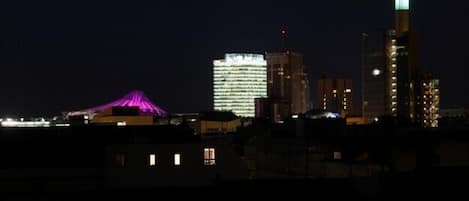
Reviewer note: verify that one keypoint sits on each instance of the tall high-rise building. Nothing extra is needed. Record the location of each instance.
(288, 80)
(237, 81)
(430, 101)
(390, 77)
(374, 75)
(335, 95)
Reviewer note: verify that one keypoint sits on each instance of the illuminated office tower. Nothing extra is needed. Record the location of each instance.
(430, 101)
(335, 95)
(237, 81)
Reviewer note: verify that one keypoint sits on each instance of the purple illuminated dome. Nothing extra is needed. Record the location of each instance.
(133, 99)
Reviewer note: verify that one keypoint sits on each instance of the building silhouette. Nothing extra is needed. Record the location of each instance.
(288, 80)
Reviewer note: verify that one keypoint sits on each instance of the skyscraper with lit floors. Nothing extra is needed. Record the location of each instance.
(238, 80)
(390, 76)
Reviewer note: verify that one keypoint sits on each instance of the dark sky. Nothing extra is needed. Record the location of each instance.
(66, 55)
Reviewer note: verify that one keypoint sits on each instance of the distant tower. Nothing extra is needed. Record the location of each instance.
(402, 16)
(238, 80)
(390, 78)
(287, 84)
(287, 79)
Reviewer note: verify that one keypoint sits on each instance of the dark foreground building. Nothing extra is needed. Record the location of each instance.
(314, 151)
(111, 157)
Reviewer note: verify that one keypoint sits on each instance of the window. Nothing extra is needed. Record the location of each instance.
(177, 159)
(209, 156)
(337, 155)
(119, 160)
(152, 160)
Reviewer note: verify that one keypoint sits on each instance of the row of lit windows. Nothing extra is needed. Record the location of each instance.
(394, 77)
(209, 158)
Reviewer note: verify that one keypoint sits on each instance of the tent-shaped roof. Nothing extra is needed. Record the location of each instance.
(133, 99)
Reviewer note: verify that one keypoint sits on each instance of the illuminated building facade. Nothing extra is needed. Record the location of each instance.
(288, 80)
(238, 80)
(335, 95)
(430, 102)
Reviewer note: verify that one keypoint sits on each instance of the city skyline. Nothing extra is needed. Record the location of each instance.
(51, 66)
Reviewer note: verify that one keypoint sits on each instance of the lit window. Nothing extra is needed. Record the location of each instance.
(334, 91)
(152, 160)
(209, 156)
(177, 159)
(348, 91)
(337, 155)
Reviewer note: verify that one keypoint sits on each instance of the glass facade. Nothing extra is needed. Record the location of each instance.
(237, 81)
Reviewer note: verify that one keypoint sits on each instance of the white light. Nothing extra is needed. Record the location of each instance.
(348, 91)
(86, 117)
(376, 72)
(121, 123)
(177, 159)
(20, 124)
(62, 125)
(402, 4)
(295, 116)
(334, 91)
(152, 160)
(376, 119)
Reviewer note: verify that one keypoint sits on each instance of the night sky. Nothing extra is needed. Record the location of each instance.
(68, 55)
